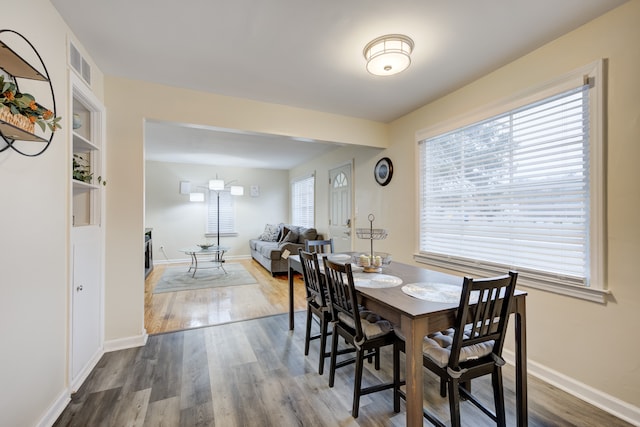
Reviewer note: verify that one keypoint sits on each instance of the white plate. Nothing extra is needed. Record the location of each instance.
(375, 280)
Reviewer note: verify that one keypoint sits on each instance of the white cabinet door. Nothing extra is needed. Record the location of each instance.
(86, 322)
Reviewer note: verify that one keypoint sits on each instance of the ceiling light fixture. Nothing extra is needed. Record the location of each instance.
(388, 55)
(216, 184)
(196, 197)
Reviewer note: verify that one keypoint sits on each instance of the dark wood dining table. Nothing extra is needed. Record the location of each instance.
(417, 318)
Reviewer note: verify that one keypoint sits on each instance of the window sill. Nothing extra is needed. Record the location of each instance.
(234, 234)
(582, 292)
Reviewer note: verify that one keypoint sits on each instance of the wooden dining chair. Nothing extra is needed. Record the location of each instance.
(317, 304)
(319, 246)
(473, 347)
(364, 330)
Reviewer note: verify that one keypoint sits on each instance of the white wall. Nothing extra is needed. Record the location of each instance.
(34, 248)
(179, 223)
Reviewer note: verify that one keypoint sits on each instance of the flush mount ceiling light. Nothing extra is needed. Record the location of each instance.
(388, 55)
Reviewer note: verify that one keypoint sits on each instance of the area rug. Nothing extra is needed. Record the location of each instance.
(179, 279)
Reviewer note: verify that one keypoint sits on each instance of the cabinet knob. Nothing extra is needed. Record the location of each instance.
(79, 288)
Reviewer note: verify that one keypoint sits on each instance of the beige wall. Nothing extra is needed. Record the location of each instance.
(125, 156)
(587, 342)
(35, 220)
(178, 223)
(585, 347)
(368, 197)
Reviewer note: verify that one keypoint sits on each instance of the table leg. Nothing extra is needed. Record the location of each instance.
(291, 277)
(195, 265)
(414, 332)
(521, 362)
(191, 264)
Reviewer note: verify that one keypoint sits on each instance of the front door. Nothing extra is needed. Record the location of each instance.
(340, 190)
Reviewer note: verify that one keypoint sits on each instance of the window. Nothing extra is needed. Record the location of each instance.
(302, 201)
(521, 189)
(227, 213)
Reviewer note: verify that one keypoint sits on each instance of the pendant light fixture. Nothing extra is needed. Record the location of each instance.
(388, 55)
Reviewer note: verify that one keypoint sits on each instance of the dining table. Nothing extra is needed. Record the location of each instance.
(389, 295)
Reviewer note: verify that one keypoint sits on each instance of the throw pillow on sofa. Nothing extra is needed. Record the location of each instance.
(307, 234)
(271, 233)
(288, 236)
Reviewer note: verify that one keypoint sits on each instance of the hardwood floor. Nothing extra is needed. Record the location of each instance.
(174, 311)
(254, 373)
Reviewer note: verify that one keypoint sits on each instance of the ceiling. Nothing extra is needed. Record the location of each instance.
(178, 143)
(308, 54)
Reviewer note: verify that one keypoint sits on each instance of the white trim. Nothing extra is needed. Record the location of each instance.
(597, 148)
(595, 397)
(80, 90)
(593, 72)
(292, 183)
(86, 370)
(229, 234)
(128, 342)
(55, 410)
(482, 269)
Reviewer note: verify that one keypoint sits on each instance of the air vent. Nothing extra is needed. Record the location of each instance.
(79, 64)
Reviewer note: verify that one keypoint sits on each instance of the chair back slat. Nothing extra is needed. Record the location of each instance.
(319, 246)
(313, 281)
(342, 293)
(483, 314)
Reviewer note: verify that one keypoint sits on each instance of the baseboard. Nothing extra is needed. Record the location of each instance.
(64, 398)
(124, 343)
(77, 382)
(55, 409)
(619, 408)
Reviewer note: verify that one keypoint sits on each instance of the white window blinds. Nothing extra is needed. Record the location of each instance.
(513, 190)
(227, 212)
(302, 201)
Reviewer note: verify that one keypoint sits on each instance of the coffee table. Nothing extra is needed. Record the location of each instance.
(213, 254)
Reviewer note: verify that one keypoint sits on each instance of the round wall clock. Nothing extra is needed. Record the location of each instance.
(383, 171)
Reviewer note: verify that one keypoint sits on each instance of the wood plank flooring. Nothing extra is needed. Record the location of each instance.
(174, 311)
(254, 373)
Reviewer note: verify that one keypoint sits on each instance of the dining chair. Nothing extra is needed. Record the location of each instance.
(317, 304)
(319, 246)
(473, 347)
(366, 331)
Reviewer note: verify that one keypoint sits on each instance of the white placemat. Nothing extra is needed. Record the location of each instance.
(339, 258)
(375, 280)
(436, 292)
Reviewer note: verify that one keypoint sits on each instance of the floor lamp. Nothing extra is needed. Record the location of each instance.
(218, 185)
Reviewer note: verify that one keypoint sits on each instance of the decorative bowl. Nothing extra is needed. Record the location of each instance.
(206, 245)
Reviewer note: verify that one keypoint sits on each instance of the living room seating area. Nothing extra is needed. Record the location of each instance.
(277, 242)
